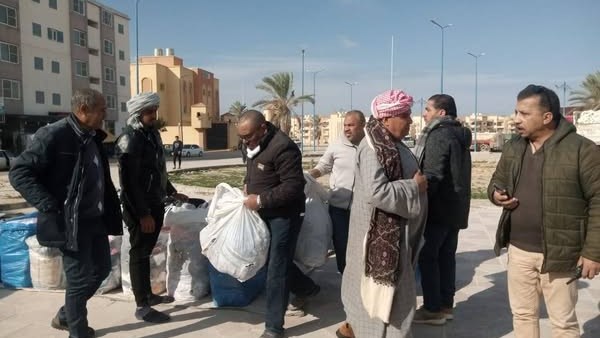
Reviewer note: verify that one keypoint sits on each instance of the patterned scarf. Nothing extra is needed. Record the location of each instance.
(382, 249)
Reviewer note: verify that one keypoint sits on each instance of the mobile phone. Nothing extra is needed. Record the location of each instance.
(501, 190)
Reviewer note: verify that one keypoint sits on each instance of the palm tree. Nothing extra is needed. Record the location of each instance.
(281, 98)
(589, 94)
(237, 108)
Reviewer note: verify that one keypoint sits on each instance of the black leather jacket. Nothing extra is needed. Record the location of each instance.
(49, 173)
(142, 170)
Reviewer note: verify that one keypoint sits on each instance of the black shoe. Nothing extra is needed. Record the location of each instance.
(150, 315)
(297, 303)
(271, 334)
(156, 299)
(62, 325)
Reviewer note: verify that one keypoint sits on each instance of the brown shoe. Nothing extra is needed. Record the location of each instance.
(448, 313)
(345, 331)
(423, 316)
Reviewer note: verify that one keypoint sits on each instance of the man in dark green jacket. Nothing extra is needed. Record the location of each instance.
(548, 182)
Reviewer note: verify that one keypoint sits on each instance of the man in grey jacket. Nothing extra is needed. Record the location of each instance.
(340, 160)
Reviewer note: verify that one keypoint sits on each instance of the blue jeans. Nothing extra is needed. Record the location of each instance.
(437, 263)
(85, 270)
(340, 220)
(283, 275)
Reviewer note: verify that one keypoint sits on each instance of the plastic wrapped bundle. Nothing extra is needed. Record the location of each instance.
(158, 264)
(187, 268)
(14, 253)
(46, 266)
(113, 280)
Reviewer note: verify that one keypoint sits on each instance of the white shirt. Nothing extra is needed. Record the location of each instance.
(339, 160)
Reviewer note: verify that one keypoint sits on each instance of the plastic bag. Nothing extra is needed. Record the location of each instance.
(236, 239)
(187, 268)
(113, 280)
(158, 264)
(46, 266)
(14, 253)
(315, 233)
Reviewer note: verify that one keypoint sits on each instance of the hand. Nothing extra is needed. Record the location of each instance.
(421, 181)
(251, 202)
(315, 173)
(590, 269)
(180, 197)
(502, 199)
(147, 224)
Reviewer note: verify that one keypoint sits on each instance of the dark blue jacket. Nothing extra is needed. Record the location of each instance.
(49, 174)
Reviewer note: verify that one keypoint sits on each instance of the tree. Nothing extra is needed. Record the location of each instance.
(237, 108)
(589, 94)
(281, 98)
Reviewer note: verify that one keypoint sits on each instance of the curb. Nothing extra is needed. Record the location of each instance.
(14, 205)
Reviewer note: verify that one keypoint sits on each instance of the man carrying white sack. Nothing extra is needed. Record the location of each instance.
(340, 160)
(274, 183)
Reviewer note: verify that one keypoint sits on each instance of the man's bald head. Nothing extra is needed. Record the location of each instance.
(252, 127)
(254, 117)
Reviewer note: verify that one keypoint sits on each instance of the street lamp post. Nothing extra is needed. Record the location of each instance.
(564, 86)
(442, 28)
(351, 84)
(422, 102)
(476, 57)
(315, 108)
(302, 109)
(137, 50)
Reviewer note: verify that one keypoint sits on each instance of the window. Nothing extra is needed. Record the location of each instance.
(52, 4)
(81, 68)
(122, 80)
(124, 107)
(108, 47)
(9, 53)
(94, 80)
(92, 23)
(11, 89)
(121, 55)
(79, 6)
(121, 28)
(55, 35)
(56, 99)
(38, 63)
(8, 16)
(107, 18)
(55, 67)
(37, 29)
(80, 38)
(111, 102)
(39, 97)
(109, 74)
(162, 87)
(94, 51)
(38, 1)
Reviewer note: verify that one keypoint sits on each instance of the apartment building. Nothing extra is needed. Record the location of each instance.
(50, 48)
(189, 99)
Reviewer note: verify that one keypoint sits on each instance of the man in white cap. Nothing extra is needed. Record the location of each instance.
(144, 188)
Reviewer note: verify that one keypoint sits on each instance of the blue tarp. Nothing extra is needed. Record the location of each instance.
(14, 253)
(228, 291)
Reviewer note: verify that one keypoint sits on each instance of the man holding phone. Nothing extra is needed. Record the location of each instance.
(548, 182)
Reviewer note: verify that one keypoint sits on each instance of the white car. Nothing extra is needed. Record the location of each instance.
(5, 160)
(190, 150)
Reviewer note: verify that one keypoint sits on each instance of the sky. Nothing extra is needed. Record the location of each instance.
(546, 42)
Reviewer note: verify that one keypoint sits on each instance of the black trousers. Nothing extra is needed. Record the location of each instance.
(142, 245)
(176, 156)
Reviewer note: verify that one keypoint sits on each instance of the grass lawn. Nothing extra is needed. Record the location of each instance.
(234, 176)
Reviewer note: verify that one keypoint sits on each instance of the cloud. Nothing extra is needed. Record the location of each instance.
(347, 42)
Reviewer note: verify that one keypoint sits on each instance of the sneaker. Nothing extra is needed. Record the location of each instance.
(422, 316)
(62, 325)
(156, 299)
(297, 303)
(150, 315)
(345, 331)
(271, 334)
(448, 313)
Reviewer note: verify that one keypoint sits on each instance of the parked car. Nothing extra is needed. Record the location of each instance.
(190, 150)
(5, 159)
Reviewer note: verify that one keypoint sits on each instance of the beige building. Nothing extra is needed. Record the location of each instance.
(189, 100)
(491, 123)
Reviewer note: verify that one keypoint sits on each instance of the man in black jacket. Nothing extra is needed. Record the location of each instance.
(65, 174)
(444, 157)
(144, 188)
(274, 183)
(177, 151)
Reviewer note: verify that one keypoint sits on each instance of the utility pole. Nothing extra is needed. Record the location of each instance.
(564, 86)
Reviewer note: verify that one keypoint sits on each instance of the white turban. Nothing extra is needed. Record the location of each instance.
(137, 104)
